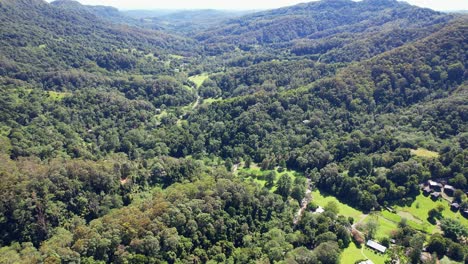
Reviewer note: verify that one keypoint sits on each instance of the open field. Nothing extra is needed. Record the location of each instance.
(446, 260)
(421, 206)
(322, 199)
(211, 100)
(198, 79)
(57, 96)
(421, 152)
(352, 254)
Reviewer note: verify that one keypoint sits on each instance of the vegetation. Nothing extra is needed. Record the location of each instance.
(157, 140)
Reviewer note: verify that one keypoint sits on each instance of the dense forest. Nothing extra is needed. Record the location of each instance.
(293, 135)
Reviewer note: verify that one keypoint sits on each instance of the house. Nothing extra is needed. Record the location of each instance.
(449, 190)
(465, 213)
(376, 246)
(427, 191)
(435, 196)
(319, 210)
(435, 185)
(455, 207)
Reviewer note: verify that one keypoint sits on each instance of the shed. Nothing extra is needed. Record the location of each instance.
(455, 207)
(376, 246)
(427, 190)
(319, 210)
(449, 190)
(435, 185)
(435, 196)
(465, 213)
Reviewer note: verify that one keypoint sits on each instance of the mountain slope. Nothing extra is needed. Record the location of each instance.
(38, 38)
(331, 25)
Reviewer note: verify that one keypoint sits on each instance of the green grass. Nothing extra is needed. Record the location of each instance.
(352, 254)
(385, 227)
(211, 100)
(57, 96)
(346, 210)
(255, 174)
(397, 218)
(421, 206)
(198, 79)
(446, 260)
(421, 152)
(175, 56)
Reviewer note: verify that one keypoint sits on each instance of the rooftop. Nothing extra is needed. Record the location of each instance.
(433, 183)
(376, 246)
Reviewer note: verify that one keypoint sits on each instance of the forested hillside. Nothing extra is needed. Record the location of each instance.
(291, 135)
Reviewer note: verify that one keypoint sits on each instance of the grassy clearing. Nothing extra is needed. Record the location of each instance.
(446, 260)
(421, 206)
(57, 96)
(198, 79)
(161, 114)
(397, 219)
(175, 56)
(421, 152)
(385, 227)
(255, 174)
(211, 100)
(352, 254)
(322, 199)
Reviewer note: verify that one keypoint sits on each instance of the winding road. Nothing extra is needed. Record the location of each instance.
(304, 203)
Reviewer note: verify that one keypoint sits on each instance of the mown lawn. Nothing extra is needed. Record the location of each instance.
(352, 254)
(385, 227)
(421, 206)
(446, 260)
(198, 79)
(322, 199)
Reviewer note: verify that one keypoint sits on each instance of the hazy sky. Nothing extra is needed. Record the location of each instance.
(248, 4)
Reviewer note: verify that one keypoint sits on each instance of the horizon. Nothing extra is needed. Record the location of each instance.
(243, 5)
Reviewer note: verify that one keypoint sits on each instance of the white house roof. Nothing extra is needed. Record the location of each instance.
(376, 246)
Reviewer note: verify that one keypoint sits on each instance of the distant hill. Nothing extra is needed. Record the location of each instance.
(105, 12)
(183, 21)
(38, 38)
(330, 27)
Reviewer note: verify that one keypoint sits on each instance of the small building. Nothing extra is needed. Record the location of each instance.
(366, 262)
(465, 213)
(376, 246)
(435, 185)
(319, 210)
(449, 190)
(455, 207)
(427, 191)
(435, 196)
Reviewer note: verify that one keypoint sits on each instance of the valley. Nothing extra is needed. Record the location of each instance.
(291, 135)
